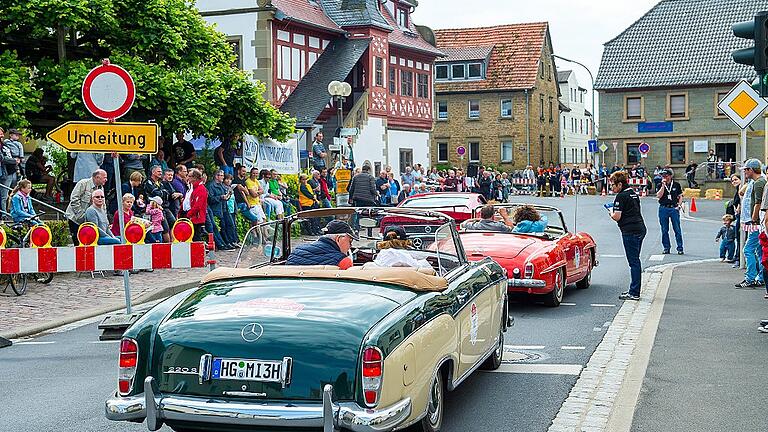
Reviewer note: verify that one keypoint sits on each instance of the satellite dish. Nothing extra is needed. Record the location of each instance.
(335, 88)
(346, 89)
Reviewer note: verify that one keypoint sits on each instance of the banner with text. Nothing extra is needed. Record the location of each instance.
(270, 154)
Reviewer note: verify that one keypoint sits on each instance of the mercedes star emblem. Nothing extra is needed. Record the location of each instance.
(252, 332)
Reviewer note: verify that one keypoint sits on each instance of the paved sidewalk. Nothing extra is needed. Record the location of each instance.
(71, 297)
(707, 367)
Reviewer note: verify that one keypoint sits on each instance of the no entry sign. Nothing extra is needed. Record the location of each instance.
(108, 91)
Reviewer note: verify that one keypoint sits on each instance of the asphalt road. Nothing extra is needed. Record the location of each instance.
(59, 381)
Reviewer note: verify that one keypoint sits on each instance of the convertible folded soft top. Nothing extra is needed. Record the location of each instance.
(408, 277)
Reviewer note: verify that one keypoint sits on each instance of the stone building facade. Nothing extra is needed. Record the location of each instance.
(496, 95)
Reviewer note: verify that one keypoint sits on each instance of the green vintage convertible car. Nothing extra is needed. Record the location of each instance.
(266, 346)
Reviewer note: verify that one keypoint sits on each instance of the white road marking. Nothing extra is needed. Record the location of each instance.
(611, 256)
(33, 343)
(572, 347)
(567, 304)
(524, 347)
(602, 305)
(545, 369)
(656, 258)
(597, 329)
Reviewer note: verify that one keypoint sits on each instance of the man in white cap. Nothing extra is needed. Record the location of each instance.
(670, 197)
(753, 275)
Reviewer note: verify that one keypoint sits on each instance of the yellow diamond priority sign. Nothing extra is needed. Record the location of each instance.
(743, 105)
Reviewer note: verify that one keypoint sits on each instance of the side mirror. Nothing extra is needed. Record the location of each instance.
(368, 223)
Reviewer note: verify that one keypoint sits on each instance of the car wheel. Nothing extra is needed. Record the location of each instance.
(587, 281)
(554, 298)
(494, 361)
(433, 421)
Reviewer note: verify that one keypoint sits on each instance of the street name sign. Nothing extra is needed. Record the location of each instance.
(98, 137)
(108, 91)
(742, 104)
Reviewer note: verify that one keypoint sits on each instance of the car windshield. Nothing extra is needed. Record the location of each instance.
(555, 225)
(436, 201)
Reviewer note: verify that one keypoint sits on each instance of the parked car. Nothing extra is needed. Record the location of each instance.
(540, 264)
(460, 206)
(268, 345)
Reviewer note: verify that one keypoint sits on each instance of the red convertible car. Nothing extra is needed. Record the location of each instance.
(460, 206)
(541, 263)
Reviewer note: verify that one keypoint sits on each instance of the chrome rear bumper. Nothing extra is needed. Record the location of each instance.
(330, 416)
(526, 283)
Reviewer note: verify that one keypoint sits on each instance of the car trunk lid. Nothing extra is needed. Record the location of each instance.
(495, 245)
(319, 325)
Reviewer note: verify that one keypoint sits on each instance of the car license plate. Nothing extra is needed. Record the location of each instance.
(247, 370)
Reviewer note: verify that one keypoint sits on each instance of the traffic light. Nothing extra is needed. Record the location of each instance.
(757, 30)
(757, 56)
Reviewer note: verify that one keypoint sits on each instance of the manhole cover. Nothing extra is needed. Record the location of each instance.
(522, 356)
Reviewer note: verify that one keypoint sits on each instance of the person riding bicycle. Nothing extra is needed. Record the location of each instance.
(21, 205)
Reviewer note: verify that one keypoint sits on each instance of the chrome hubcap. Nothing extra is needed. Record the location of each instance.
(434, 402)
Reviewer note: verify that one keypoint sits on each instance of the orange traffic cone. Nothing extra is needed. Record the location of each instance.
(693, 205)
(603, 192)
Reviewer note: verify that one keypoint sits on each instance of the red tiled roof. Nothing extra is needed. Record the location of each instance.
(514, 61)
(410, 39)
(305, 12)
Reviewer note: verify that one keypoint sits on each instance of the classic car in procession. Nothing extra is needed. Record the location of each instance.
(540, 263)
(460, 206)
(268, 345)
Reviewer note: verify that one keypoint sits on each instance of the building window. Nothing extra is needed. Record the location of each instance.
(551, 119)
(541, 107)
(402, 19)
(441, 72)
(379, 65)
(633, 108)
(677, 106)
(474, 152)
(475, 71)
(474, 109)
(406, 159)
(541, 69)
(392, 80)
(442, 110)
(549, 72)
(581, 125)
(719, 96)
(506, 151)
(551, 149)
(458, 71)
(677, 152)
(442, 152)
(422, 87)
(633, 154)
(506, 108)
(406, 83)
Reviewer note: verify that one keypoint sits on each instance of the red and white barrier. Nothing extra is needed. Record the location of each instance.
(523, 181)
(103, 258)
(638, 181)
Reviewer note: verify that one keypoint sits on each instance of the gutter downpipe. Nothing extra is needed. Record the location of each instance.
(528, 125)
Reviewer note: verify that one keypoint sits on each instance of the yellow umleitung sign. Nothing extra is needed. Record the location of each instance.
(99, 137)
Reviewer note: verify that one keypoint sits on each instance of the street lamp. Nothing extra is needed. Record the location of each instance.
(593, 92)
(340, 90)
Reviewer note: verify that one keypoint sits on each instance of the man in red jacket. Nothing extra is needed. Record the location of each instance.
(196, 203)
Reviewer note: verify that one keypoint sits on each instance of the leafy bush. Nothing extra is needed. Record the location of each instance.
(60, 236)
(292, 181)
(205, 158)
(58, 158)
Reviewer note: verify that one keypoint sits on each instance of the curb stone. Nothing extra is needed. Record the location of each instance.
(591, 402)
(158, 294)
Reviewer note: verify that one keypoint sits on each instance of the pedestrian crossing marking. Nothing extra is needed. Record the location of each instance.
(602, 305)
(572, 347)
(32, 343)
(542, 369)
(656, 258)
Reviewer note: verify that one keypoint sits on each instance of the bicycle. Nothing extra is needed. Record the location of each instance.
(18, 282)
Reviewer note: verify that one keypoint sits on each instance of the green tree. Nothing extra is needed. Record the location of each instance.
(182, 67)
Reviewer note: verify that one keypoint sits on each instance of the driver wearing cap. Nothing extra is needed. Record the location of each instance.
(330, 249)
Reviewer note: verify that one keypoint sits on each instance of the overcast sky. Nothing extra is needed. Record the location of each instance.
(579, 28)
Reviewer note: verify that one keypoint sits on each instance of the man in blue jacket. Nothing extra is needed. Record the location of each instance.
(330, 249)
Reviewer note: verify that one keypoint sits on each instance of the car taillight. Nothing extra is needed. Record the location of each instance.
(373, 369)
(129, 356)
(528, 271)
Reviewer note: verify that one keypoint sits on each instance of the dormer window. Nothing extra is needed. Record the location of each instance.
(459, 71)
(475, 71)
(402, 17)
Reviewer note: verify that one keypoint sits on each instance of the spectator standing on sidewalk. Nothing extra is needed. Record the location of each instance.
(17, 151)
(690, 175)
(318, 152)
(727, 238)
(80, 200)
(183, 151)
(86, 164)
(362, 189)
(196, 204)
(711, 162)
(736, 208)
(750, 216)
(155, 213)
(670, 197)
(626, 212)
